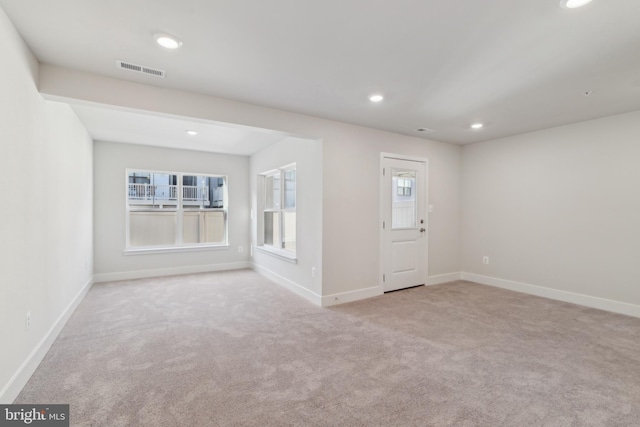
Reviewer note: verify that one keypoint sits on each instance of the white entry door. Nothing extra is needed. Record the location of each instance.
(404, 224)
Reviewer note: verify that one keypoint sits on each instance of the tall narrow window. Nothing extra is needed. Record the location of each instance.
(175, 209)
(279, 209)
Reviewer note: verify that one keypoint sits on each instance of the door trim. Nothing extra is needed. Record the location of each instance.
(381, 177)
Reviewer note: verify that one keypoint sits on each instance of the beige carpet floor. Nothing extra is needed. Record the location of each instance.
(233, 349)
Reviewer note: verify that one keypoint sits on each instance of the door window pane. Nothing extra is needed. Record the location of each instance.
(403, 197)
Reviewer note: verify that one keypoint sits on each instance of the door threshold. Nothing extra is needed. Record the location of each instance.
(404, 289)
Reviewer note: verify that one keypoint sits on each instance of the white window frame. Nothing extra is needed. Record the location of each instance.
(178, 246)
(277, 251)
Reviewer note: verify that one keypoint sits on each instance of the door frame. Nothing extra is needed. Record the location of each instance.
(425, 194)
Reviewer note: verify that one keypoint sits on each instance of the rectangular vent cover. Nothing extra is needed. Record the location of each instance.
(140, 69)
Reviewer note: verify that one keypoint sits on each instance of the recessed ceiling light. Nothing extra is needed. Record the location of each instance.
(572, 4)
(167, 40)
(477, 126)
(376, 98)
(192, 132)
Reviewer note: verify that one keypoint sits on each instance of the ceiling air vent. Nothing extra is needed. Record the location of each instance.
(140, 69)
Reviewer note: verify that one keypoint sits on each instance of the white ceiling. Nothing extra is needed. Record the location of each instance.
(117, 125)
(516, 65)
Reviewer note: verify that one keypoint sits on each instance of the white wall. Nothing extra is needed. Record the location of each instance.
(110, 162)
(46, 222)
(350, 154)
(558, 208)
(351, 221)
(307, 154)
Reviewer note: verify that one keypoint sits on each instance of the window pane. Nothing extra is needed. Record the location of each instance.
(289, 231)
(403, 214)
(152, 228)
(164, 190)
(268, 192)
(202, 192)
(139, 188)
(272, 192)
(290, 188)
(216, 193)
(271, 228)
(194, 192)
(153, 199)
(214, 227)
(152, 190)
(203, 227)
(191, 227)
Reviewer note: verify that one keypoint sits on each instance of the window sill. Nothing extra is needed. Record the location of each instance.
(174, 249)
(278, 253)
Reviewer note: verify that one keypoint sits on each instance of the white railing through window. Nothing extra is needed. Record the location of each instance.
(145, 193)
(194, 193)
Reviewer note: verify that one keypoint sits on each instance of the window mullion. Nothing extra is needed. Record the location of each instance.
(180, 212)
(281, 215)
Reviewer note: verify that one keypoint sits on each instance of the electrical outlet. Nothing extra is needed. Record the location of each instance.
(240, 249)
(313, 272)
(485, 260)
(28, 320)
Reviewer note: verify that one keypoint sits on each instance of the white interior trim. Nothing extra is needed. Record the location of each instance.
(17, 382)
(173, 249)
(288, 284)
(443, 278)
(172, 271)
(350, 296)
(571, 297)
(278, 253)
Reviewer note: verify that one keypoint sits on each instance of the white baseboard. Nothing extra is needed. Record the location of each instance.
(571, 297)
(350, 296)
(17, 382)
(443, 278)
(288, 284)
(345, 297)
(172, 271)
